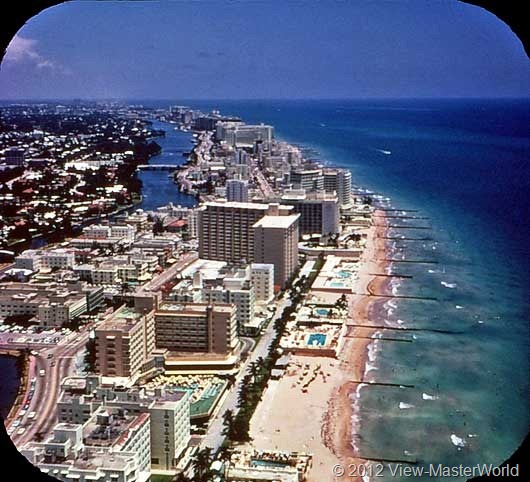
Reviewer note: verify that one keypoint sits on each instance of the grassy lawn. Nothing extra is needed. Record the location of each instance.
(161, 478)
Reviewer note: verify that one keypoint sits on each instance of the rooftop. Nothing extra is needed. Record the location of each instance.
(192, 308)
(124, 318)
(276, 221)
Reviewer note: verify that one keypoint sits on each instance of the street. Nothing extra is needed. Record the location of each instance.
(214, 437)
(42, 392)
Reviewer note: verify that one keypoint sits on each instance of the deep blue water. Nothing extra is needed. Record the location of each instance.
(158, 188)
(9, 383)
(466, 166)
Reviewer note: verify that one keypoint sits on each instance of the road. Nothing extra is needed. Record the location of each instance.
(57, 362)
(167, 275)
(214, 438)
(264, 186)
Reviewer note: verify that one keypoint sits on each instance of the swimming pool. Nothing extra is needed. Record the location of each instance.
(267, 463)
(322, 311)
(337, 284)
(316, 339)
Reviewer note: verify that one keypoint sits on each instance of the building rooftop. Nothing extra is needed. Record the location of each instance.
(110, 426)
(276, 221)
(237, 205)
(123, 319)
(193, 308)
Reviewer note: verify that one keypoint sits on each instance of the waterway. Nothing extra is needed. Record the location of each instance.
(9, 383)
(158, 188)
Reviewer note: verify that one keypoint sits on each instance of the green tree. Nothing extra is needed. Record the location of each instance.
(201, 465)
(158, 226)
(228, 424)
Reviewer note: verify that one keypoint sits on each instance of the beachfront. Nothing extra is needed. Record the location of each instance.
(320, 416)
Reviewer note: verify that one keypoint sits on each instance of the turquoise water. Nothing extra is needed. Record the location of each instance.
(316, 339)
(464, 165)
(322, 311)
(337, 284)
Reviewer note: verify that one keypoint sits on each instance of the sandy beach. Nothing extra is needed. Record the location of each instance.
(340, 427)
(319, 419)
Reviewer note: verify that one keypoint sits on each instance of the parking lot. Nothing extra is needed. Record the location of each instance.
(10, 335)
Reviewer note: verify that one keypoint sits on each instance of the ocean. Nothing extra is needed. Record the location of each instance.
(464, 165)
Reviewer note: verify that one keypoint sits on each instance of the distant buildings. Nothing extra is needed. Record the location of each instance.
(237, 190)
(319, 211)
(131, 267)
(238, 134)
(14, 156)
(105, 236)
(35, 260)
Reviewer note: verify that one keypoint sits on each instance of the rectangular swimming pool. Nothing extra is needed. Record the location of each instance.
(316, 339)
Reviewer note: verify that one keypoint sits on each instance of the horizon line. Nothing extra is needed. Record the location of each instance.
(253, 99)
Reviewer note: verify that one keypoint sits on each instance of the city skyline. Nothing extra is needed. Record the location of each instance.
(220, 50)
(264, 240)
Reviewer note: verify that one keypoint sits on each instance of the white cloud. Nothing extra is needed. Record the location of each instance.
(22, 49)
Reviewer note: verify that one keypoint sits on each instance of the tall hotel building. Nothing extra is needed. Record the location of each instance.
(319, 211)
(225, 229)
(237, 190)
(339, 180)
(308, 179)
(276, 243)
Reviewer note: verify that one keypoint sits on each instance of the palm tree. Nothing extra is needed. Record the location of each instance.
(254, 369)
(201, 465)
(228, 422)
(180, 477)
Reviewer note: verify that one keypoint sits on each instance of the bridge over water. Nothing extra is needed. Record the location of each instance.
(157, 167)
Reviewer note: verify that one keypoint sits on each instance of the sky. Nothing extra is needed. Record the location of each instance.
(228, 49)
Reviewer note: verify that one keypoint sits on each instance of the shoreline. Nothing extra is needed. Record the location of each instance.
(322, 388)
(341, 425)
